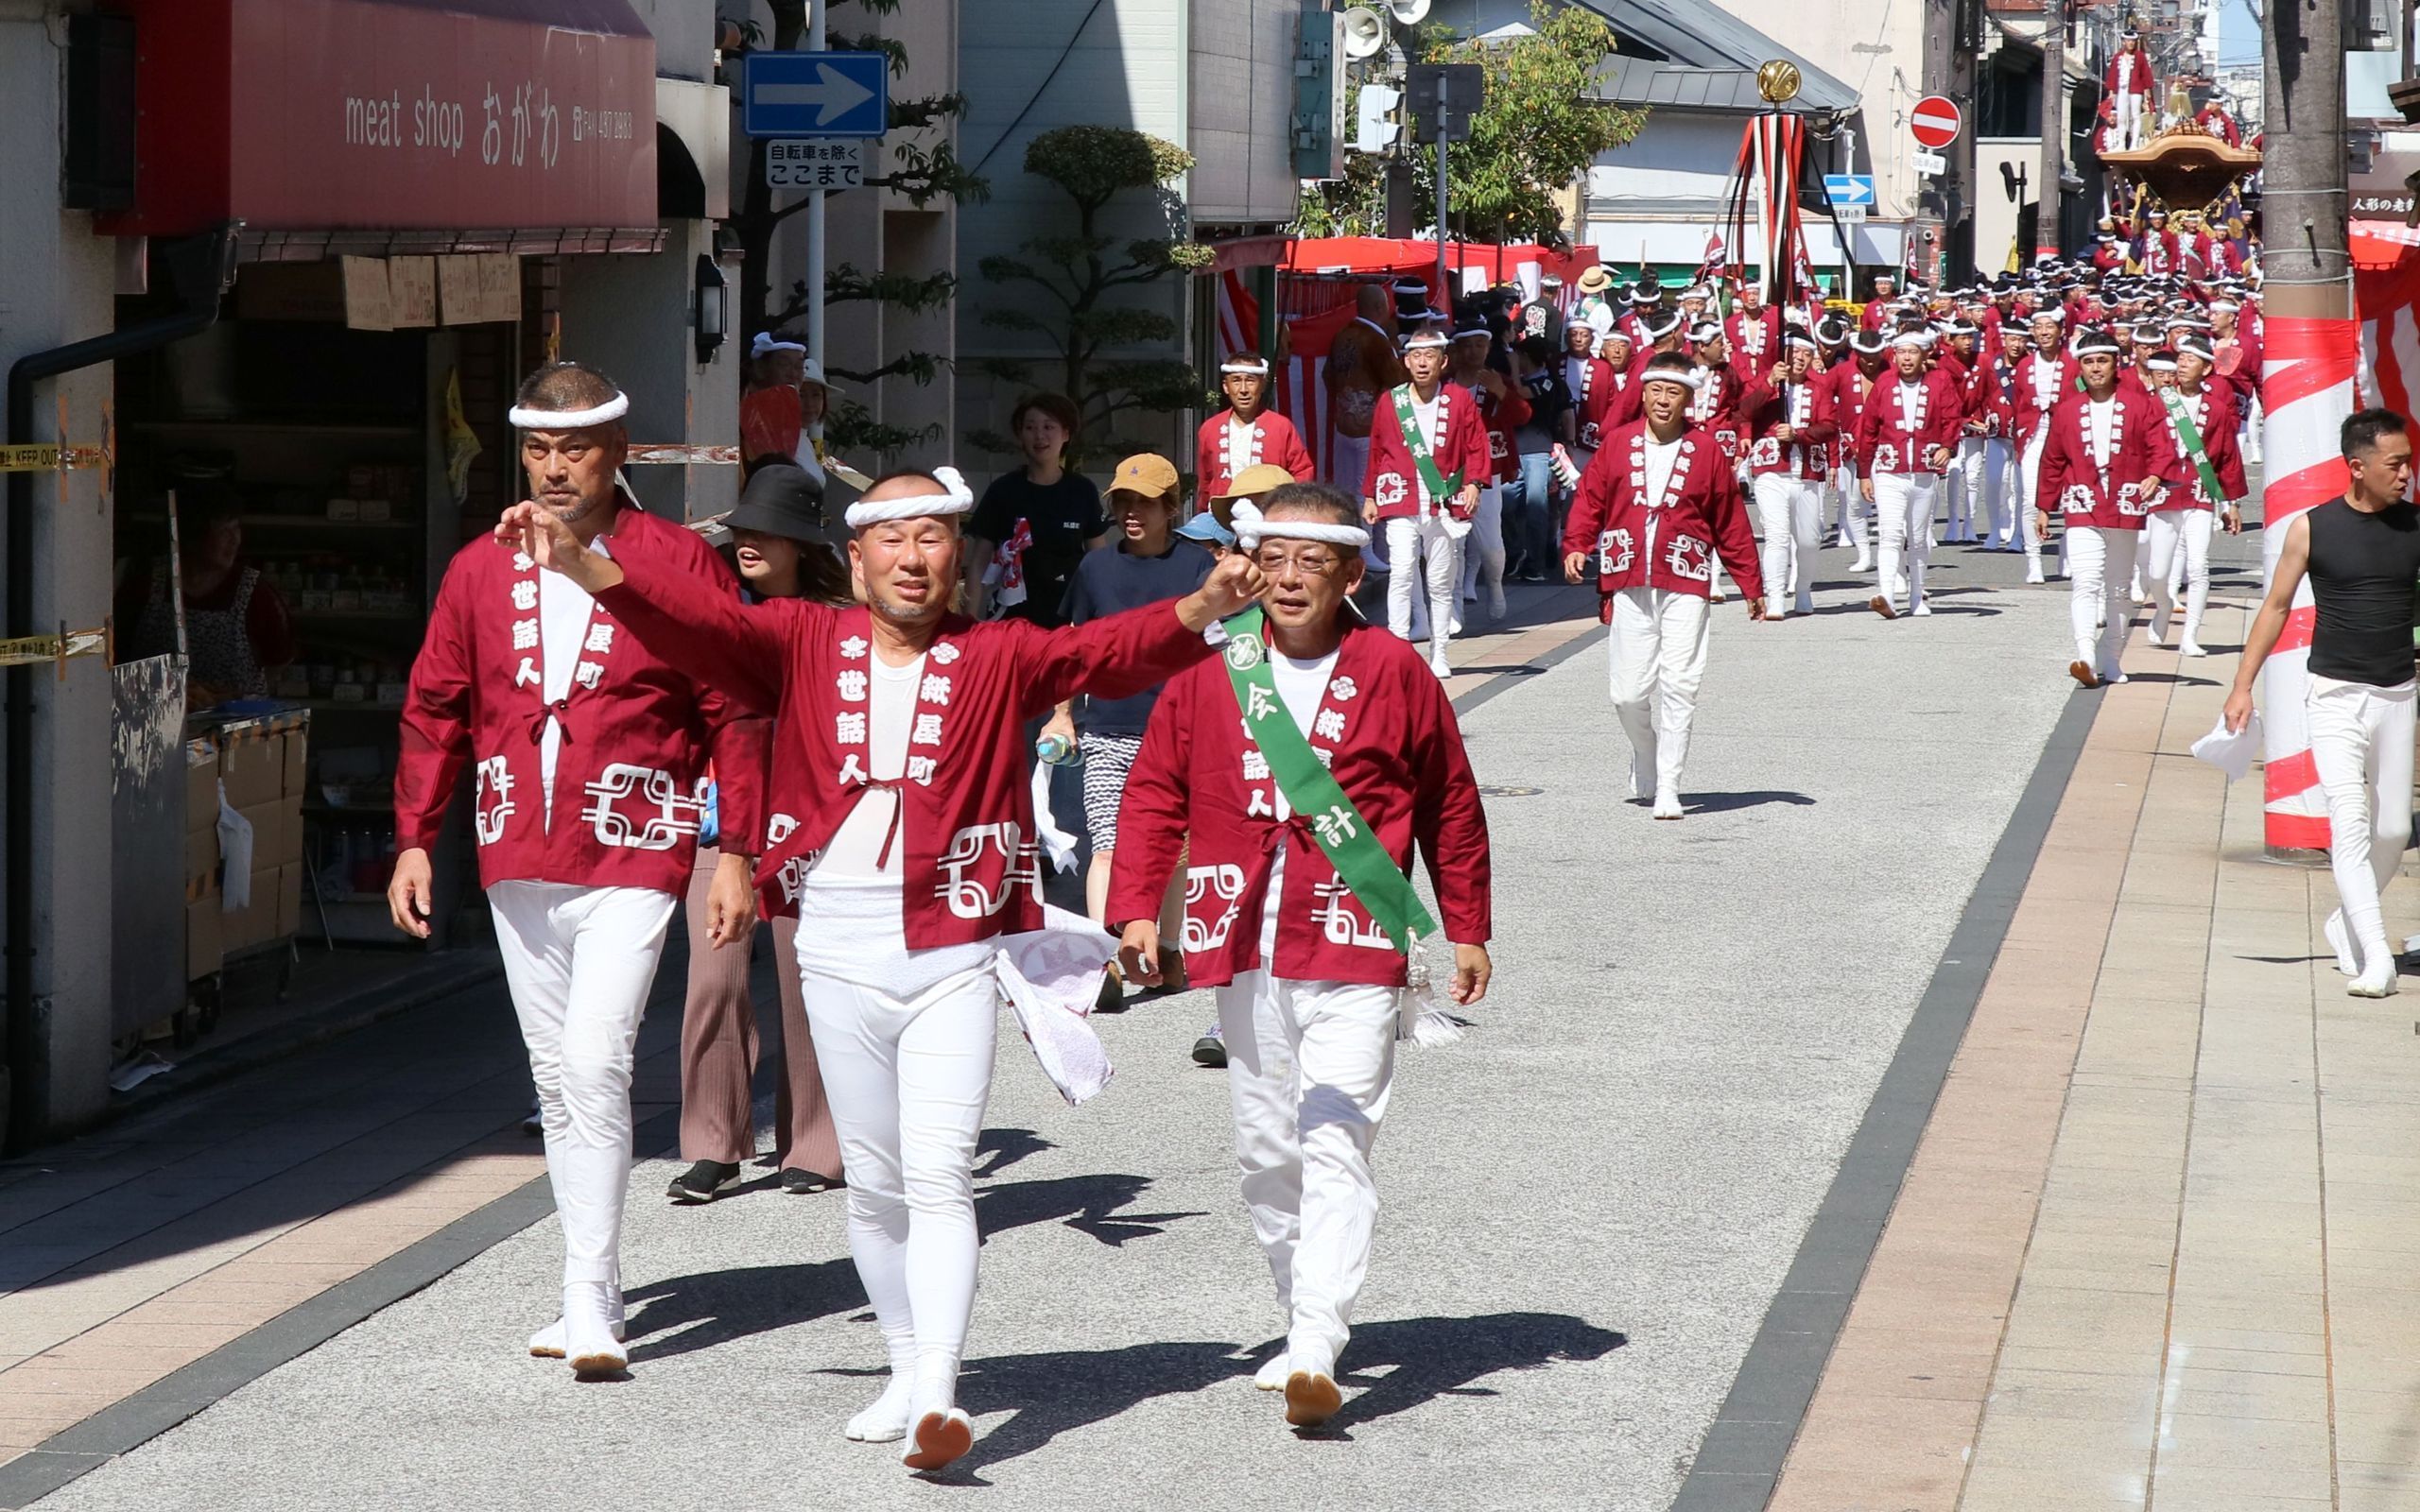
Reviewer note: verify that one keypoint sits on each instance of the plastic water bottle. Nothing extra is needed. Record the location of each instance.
(1055, 751)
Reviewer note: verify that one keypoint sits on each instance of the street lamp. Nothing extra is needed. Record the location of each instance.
(712, 310)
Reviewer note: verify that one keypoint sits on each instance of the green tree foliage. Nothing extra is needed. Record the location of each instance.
(1537, 131)
(1070, 289)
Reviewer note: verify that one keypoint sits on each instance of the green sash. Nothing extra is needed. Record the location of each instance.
(1441, 487)
(1344, 835)
(2190, 435)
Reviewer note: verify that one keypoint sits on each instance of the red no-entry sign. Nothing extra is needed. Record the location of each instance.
(1935, 121)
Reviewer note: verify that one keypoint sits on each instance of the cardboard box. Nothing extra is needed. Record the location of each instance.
(205, 937)
(277, 832)
(252, 768)
(298, 752)
(256, 921)
(290, 899)
(202, 785)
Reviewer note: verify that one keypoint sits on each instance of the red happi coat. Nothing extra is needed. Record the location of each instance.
(1716, 406)
(1391, 742)
(1668, 542)
(1809, 453)
(1883, 442)
(2040, 383)
(2214, 416)
(1840, 395)
(2137, 79)
(968, 861)
(1272, 439)
(2157, 251)
(1502, 418)
(1979, 397)
(1755, 339)
(638, 734)
(1594, 396)
(1394, 478)
(2141, 454)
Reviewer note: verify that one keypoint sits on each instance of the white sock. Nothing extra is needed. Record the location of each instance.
(885, 1419)
(1271, 1377)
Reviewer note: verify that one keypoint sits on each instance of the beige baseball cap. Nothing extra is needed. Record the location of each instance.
(1251, 483)
(1148, 473)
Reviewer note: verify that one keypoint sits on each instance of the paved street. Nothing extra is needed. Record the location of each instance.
(1591, 1202)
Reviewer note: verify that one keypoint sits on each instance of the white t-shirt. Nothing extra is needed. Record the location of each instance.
(1911, 403)
(1425, 416)
(856, 850)
(1239, 443)
(1301, 686)
(2100, 428)
(563, 609)
(1662, 457)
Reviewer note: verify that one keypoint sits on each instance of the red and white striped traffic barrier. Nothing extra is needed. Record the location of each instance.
(2306, 394)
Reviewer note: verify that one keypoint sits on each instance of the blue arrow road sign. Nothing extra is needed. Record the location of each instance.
(1849, 188)
(816, 94)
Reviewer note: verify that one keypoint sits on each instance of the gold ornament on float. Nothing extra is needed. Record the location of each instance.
(1779, 82)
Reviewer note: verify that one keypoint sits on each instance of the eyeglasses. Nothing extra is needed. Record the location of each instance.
(1310, 563)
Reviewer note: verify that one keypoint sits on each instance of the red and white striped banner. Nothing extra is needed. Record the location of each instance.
(2306, 389)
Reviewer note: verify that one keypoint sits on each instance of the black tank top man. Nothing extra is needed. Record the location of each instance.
(2365, 580)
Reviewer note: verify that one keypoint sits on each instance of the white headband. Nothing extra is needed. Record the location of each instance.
(1425, 339)
(1251, 528)
(568, 419)
(2094, 346)
(1797, 337)
(1473, 331)
(767, 341)
(1912, 338)
(957, 499)
(1688, 379)
(1256, 367)
(1670, 324)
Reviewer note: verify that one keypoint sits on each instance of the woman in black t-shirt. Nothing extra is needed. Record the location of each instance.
(1035, 524)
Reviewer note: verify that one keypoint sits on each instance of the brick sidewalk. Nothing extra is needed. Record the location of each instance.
(2156, 1248)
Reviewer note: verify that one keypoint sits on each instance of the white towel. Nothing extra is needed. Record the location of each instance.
(1051, 977)
(2230, 753)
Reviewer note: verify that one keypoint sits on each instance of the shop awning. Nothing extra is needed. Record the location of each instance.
(352, 122)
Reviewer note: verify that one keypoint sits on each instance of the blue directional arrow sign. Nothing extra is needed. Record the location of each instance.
(1849, 188)
(816, 94)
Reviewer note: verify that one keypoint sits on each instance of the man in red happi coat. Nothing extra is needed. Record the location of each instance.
(1428, 463)
(2181, 524)
(2046, 376)
(1905, 433)
(1246, 432)
(1310, 982)
(1656, 507)
(590, 754)
(1840, 392)
(901, 826)
(2104, 455)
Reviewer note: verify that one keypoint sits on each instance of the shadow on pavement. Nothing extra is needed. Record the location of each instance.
(1726, 802)
(1390, 1367)
(715, 1307)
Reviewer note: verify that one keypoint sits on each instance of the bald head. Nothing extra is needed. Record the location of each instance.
(1372, 301)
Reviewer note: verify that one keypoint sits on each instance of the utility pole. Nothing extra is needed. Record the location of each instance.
(815, 243)
(2054, 130)
(2312, 350)
(1444, 87)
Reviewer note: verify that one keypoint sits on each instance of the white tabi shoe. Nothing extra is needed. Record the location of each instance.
(2111, 676)
(1923, 608)
(2034, 571)
(547, 1343)
(886, 1420)
(1864, 563)
(1311, 1394)
(942, 1431)
(1642, 775)
(589, 1342)
(2191, 649)
(1804, 604)
(1273, 1376)
(1775, 607)
(2379, 981)
(1496, 602)
(1438, 664)
(1667, 803)
(2340, 939)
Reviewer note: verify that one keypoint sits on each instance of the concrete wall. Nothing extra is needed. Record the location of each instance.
(1676, 156)
(57, 282)
(631, 315)
(1242, 91)
(1127, 67)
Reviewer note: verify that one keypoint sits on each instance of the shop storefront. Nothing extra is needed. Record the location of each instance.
(416, 184)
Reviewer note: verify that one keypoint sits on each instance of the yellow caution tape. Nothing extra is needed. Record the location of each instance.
(50, 458)
(32, 650)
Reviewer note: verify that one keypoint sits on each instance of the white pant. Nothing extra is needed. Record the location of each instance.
(1484, 549)
(908, 1079)
(2102, 563)
(1308, 1068)
(1902, 505)
(1981, 462)
(2360, 744)
(2129, 120)
(1790, 512)
(2029, 493)
(2163, 532)
(2248, 434)
(1853, 507)
(579, 962)
(1406, 539)
(1658, 648)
